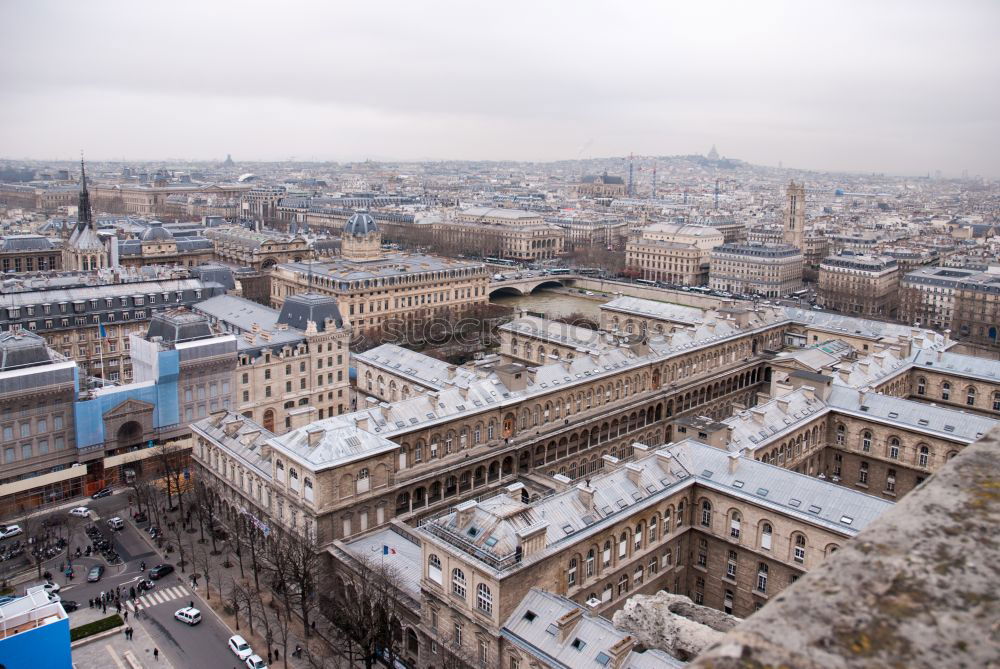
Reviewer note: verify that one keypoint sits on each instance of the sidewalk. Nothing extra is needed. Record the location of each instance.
(117, 652)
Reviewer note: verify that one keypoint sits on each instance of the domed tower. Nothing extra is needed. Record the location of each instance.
(361, 239)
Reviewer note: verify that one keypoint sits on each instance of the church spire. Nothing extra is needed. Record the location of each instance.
(83, 214)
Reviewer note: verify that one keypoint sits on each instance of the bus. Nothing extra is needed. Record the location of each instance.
(560, 270)
(501, 261)
(646, 282)
(589, 271)
(801, 293)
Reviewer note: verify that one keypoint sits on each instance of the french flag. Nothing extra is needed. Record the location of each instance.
(388, 551)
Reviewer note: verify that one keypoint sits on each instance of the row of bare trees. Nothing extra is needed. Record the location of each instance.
(288, 590)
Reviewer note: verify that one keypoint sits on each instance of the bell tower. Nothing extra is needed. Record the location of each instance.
(795, 216)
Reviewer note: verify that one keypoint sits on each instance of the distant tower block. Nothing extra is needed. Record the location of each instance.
(795, 217)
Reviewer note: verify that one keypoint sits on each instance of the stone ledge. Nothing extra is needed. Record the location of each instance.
(919, 587)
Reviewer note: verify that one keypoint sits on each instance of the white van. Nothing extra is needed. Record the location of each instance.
(188, 615)
(116, 523)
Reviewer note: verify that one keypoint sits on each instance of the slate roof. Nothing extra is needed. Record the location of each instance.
(531, 628)
(488, 530)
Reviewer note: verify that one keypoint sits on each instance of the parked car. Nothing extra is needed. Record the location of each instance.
(140, 517)
(103, 492)
(6, 599)
(159, 571)
(256, 662)
(79, 512)
(189, 615)
(52, 588)
(116, 523)
(8, 531)
(95, 573)
(69, 605)
(240, 647)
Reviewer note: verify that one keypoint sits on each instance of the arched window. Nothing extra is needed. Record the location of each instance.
(484, 598)
(945, 390)
(996, 401)
(458, 583)
(606, 554)
(923, 459)
(894, 448)
(434, 568)
(364, 482)
(293, 478)
(623, 545)
(841, 434)
(799, 552)
(637, 538)
(734, 525)
(970, 396)
(590, 562)
(866, 441)
(706, 513)
(622, 584)
(765, 536)
(921, 385)
(308, 489)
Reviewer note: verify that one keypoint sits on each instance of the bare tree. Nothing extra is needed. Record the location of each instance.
(262, 612)
(282, 617)
(369, 606)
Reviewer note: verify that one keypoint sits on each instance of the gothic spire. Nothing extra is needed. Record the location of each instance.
(83, 214)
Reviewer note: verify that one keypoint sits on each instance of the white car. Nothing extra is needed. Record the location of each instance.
(240, 647)
(189, 615)
(256, 662)
(7, 531)
(52, 588)
(80, 512)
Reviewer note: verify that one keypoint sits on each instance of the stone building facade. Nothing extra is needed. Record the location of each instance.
(373, 288)
(747, 269)
(859, 285)
(289, 361)
(257, 250)
(675, 254)
(977, 309)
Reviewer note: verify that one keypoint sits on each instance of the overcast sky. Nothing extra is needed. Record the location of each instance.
(904, 87)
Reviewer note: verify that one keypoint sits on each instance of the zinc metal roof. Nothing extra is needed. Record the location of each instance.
(532, 627)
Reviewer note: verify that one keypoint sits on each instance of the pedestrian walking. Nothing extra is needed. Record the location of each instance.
(277, 655)
(131, 592)
(191, 604)
(126, 615)
(156, 654)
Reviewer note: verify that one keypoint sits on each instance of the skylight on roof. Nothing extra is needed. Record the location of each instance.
(737, 484)
(568, 529)
(814, 509)
(491, 542)
(762, 492)
(530, 615)
(579, 643)
(602, 659)
(795, 502)
(552, 629)
(707, 473)
(846, 520)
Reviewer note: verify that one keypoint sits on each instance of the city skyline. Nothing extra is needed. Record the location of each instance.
(781, 83)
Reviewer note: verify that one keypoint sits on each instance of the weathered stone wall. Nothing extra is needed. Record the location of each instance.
(920, 587)
(673, 623)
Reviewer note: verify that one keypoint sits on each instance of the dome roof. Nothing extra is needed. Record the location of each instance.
(157, 233)
(360, 224)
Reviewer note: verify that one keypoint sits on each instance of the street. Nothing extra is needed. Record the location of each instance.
(204, 645)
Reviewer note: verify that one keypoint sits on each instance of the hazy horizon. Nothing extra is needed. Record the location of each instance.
(896, 87)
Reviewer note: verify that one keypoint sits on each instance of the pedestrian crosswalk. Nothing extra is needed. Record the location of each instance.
(158, 597)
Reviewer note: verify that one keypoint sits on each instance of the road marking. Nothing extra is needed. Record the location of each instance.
(114, 656)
